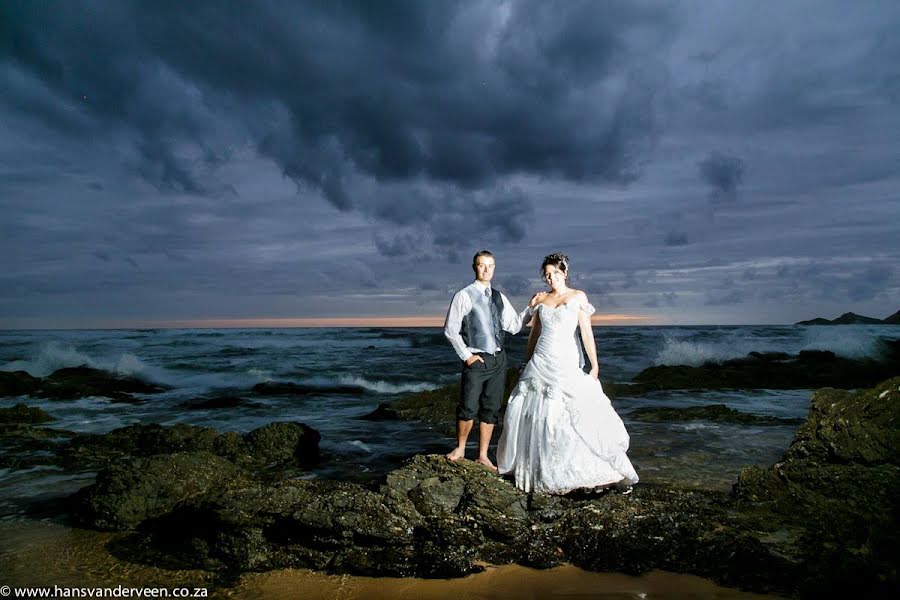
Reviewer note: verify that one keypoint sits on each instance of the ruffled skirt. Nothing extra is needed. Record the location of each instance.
(563, 434)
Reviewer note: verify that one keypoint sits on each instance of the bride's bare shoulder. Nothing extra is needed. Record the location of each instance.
(537, 298)
(579, 295)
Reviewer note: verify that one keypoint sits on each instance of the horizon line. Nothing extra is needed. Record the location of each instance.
(297, 322)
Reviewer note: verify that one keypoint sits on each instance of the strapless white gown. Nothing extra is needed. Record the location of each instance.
(560, 432)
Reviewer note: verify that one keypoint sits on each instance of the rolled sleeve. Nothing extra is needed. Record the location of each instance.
(459, 308)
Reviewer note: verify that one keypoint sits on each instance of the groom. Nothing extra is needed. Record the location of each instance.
(475, 323)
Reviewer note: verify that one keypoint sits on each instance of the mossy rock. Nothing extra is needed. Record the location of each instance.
(20, 413)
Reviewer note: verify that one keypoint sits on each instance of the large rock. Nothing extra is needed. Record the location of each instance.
(79, 382)
(283, 443)
(17, 383)
(839, 479)
(20, 413)
(23, 445)
(300, 524)
(129, 493)
(809, 369)
(141, 440)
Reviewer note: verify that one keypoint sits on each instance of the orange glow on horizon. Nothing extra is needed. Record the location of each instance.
(436, 321)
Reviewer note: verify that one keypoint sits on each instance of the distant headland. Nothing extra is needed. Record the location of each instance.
(850, 318)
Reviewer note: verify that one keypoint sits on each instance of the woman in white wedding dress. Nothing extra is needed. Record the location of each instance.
(560, 432)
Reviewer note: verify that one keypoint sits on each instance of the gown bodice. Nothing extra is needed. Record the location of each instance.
(557, 352)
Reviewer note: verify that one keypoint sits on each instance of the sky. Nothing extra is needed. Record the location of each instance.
(339, 162)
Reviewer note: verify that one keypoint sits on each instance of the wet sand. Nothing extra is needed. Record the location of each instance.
(46, 554)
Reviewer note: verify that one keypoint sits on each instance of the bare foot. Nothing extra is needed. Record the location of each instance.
(487, 463)
(456, 454)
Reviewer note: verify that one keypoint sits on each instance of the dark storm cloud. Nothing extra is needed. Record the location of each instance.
(725, 299)
(517, 285)
(724, 174)
(434, 220)
(344, 94)
(662, 299)
(847, 282)
(676, 238)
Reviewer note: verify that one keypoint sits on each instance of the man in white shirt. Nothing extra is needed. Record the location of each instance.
(475, 323)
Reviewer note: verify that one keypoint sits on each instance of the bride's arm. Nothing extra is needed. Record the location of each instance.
(587, 334)
(533, 336)
(535, 325)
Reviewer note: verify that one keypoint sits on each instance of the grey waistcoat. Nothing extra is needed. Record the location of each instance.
(480, 328)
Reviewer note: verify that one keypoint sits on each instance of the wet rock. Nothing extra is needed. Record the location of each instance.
(839, 479)
(79, 382)
(129, 493)
(432, 406)
(22, 445)
(140, 440)
(436, 486)
(283, 442)
(20, 413)
(845, 427)
(712, 412)
(808, 369)
(384, 412)
(339, 526)
(17, 383)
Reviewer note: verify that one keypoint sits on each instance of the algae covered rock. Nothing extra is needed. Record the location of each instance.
(20, 413)
(283, 442)
(839, 480)
(140, 488)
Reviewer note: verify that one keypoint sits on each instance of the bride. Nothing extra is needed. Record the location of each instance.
(561, 432)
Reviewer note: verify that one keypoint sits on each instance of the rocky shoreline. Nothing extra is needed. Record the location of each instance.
(821, 520)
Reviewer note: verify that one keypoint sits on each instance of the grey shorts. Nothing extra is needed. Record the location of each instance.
(481, 390)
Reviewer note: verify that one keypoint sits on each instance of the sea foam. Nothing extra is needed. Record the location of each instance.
(383, 387)
(53, 355)
(847, 341)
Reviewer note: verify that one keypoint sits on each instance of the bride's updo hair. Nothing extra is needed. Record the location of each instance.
(558, 260)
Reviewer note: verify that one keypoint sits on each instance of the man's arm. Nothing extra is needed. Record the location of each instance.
(459, 308)
(513, 321)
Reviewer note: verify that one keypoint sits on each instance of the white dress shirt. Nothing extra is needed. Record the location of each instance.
(461, 305)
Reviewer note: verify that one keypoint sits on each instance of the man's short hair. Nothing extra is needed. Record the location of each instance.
(480, 253)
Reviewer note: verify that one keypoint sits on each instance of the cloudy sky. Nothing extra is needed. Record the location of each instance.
(282, 162)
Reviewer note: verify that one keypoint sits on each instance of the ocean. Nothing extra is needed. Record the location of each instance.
(353, 370)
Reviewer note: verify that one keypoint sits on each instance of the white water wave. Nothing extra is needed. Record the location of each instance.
(53, 355)
(383, 387)
(845, 341)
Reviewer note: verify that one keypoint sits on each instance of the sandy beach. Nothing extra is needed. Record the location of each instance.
(41, 554)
